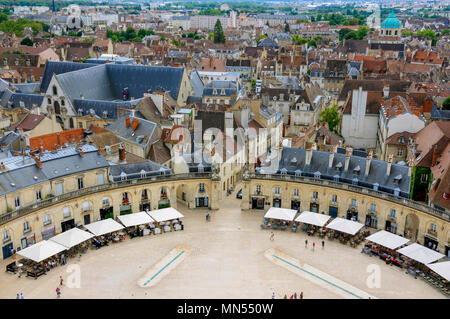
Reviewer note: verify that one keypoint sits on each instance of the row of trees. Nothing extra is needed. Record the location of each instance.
(17, 27)
(128, 35)
(426, 33)
(348, 34)
(311, 42)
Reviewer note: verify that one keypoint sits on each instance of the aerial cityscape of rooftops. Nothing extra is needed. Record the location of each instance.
(225, 149)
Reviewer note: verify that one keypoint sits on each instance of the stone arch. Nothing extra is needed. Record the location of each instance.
(145, 199)
(163, 196)
(412, 223)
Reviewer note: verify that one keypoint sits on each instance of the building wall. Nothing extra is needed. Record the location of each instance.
(16, 227)
(343, 203)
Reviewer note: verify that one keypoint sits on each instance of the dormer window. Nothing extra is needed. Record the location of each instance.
(397, 178)
(356, 170)
(294, 161)
(222, 92)
(401, 140)
(338, 166)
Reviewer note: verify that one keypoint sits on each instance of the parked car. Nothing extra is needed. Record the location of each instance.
(239, 194)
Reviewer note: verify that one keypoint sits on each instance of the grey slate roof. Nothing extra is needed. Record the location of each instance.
(145, 128)
(135, 170)
(14, 98)
(319, 163)
(23, 172)
(197, 84)
(106, 81)
(53, 67)
(229, 88)
(27, 87)
(437, 114)
(8, 139)
(110, 107)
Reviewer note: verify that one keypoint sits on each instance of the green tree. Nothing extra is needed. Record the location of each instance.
(130, 34)
(219, 36)
(27, 41)
(446, 104)
(445, 32)
(343, 33)
(428, 33)
(331, 116)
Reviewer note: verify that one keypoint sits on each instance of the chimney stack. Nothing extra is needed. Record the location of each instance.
(331, 157)
(435, 155)
(309, 147)
(127, 121)
(389, 165)
(121, 153)
(368, 161)
(410, 166)
(348, 153)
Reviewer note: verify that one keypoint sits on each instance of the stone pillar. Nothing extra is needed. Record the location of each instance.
(172, 196)
(216, 193)
(245, 201)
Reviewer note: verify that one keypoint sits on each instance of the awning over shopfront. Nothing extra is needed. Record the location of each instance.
(420, 253)
(387, 239)
(105, 226)
(312, 218)
(442, 269)
(345, 225)
(164, 214)
(281, 213)
(41, 251)
(72, 237)
(135, 219)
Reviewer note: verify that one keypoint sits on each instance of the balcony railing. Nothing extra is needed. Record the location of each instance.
(6, 217)
(357, 189)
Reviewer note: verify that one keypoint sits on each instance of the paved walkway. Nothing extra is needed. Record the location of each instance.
(226, 260)
(316, 276)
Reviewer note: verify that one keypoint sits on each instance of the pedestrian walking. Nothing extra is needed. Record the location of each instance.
(21, 296)
(61, 280)
(292, 297)
(285, 296)
(273, 295)
(295, 295)
(58, 292)
(323, 244)
(301, 295)
(314, 245)
(18, 296)
(306, 243)
(272, 235)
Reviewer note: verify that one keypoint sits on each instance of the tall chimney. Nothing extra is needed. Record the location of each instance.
(410, 166)
(121, 153)
(127, 121)
(331, 156)
(368, 161)
(389, 165)
(435, 155)
(348, 153)
(309, 147)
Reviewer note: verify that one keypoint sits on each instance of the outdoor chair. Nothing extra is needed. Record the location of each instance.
(12, 267)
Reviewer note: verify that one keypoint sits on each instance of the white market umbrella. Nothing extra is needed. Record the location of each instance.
(312, 218)
(345, 226)
(164, 214)
(71, 237)
(442, 269)
(281, 213)
(387, 239)
(135, 219)
(41, 250)
(105, 226)
(420, 253)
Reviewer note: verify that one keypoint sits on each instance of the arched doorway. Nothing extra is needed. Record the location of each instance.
(411, 227)
(164, 198)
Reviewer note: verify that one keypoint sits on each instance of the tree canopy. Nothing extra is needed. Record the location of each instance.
(219, 36)
(27, 41)
(446, 104)
(331, 116)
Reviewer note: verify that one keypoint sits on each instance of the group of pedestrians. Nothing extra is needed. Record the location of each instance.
(20, 296)
(314, 244)
(58, 290)
(294, 296)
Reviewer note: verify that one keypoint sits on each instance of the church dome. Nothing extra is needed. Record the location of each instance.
(391, 22)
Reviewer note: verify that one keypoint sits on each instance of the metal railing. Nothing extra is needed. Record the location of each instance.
(6, 217)
(357, 189)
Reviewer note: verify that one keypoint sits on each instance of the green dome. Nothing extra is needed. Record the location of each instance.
(391, 22)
